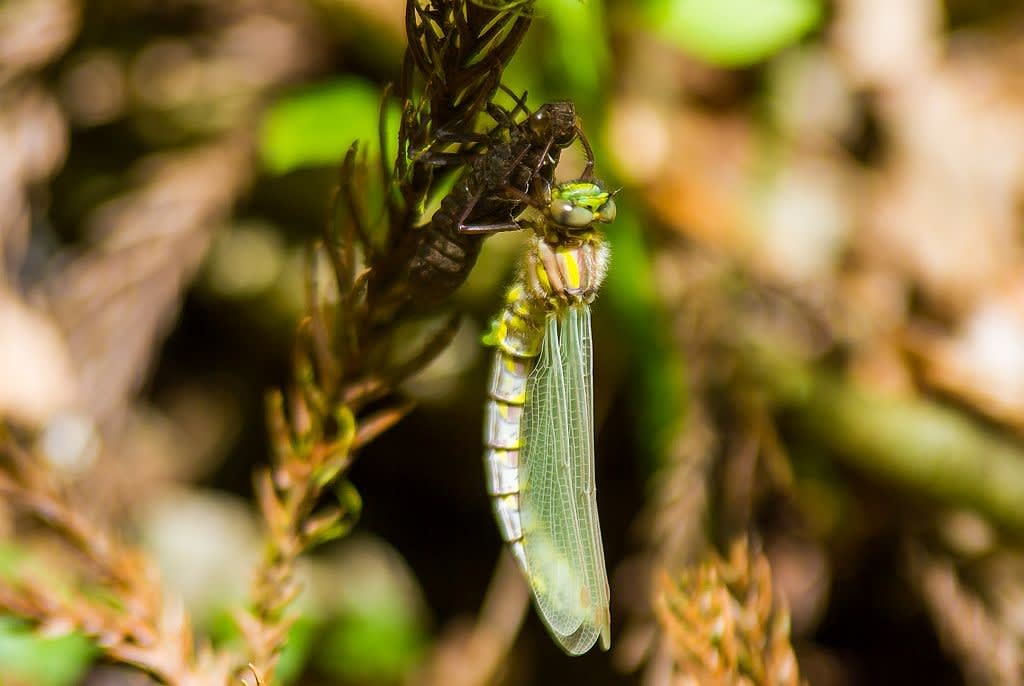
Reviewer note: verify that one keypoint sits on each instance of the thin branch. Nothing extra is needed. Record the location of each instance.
(131, 620)
(912, 442)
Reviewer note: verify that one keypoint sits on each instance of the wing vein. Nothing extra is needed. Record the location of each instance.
(562, 538)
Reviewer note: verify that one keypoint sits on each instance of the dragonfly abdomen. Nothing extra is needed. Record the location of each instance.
(553, 276)
(517, 337)
(444, 255)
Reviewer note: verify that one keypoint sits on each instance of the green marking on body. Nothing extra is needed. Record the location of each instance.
(492, 338)
(581, 193)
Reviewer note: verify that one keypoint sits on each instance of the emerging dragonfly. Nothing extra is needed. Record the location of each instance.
(539, 423)
(487, 197)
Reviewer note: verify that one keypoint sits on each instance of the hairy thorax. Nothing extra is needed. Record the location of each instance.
(568, 271)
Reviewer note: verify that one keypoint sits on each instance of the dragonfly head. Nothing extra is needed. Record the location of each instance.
(555, 121)
(578, 204)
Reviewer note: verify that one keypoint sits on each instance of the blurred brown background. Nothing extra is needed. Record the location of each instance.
(812, 336)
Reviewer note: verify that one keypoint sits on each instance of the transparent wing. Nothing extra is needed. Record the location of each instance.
(577, 366)
(560, 531)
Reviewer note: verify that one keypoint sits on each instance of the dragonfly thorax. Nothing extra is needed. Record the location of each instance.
(567, 273)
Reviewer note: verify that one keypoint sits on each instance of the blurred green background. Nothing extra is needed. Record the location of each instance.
(811, 332)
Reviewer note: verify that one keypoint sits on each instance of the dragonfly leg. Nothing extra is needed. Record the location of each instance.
(542, 158)
(588, 170)
(541, 194)
(460, 221)
(443, 159)
(515, 195)
(552, 269)
(463, 217)
(480, 229)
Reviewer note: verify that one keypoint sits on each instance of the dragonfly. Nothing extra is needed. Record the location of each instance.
(491, 192)
(539, 418)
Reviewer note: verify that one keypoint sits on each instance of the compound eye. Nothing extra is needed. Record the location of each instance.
(540, 123)
(573, 216)
(560, 209)
(606, 212)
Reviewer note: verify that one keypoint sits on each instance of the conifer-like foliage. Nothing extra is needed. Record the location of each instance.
(347, 356)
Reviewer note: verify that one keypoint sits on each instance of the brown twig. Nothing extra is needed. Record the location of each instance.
(120, 605)
(472, 655)
(309, 457)
(987, 647)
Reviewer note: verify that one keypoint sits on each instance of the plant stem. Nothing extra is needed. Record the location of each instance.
(915, 443)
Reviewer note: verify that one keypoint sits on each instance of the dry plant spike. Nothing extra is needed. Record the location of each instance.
(378, 423)
(461, 48)
(345, 346)
(313, 446)
(474, 655)
(315, 328)
(386, 172)
(115, 598)
(720, 625)
(348, 206)
(364, 391)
